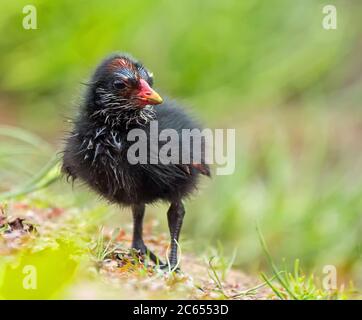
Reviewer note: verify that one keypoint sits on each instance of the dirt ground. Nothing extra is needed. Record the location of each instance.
(109, 269)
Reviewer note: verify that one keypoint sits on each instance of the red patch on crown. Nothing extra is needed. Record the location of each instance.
(121, 63)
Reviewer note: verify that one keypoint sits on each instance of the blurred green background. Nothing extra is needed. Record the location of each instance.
(290, 88)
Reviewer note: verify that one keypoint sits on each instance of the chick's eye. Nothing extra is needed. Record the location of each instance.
(118, 84)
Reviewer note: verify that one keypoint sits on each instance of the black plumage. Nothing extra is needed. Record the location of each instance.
(120, 98)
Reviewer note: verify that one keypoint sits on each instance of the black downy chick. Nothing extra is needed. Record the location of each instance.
(120, 98)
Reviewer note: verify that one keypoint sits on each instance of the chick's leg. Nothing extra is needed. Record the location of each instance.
(175, 216)
(138, 212)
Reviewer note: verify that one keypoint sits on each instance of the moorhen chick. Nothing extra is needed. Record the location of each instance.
(118, 99)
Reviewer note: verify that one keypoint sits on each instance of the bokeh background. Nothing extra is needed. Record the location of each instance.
(291, 89)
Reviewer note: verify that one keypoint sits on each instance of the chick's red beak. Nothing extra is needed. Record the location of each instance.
(146, 95)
